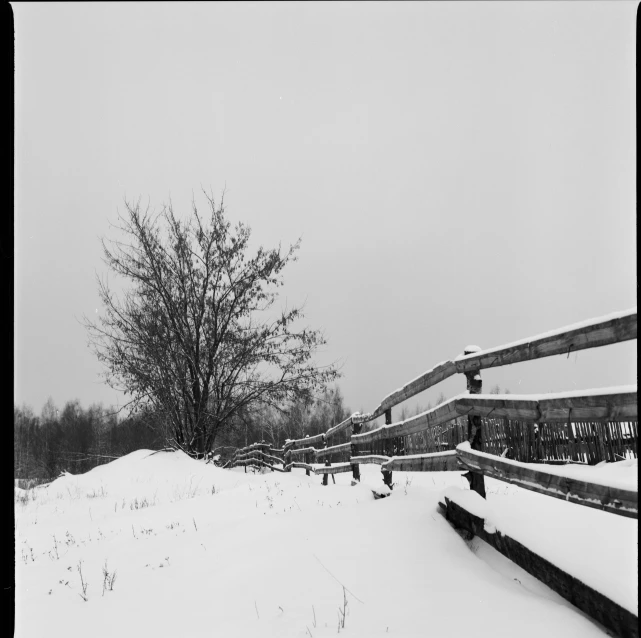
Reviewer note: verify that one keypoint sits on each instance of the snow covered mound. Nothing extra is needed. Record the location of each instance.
(158, 544)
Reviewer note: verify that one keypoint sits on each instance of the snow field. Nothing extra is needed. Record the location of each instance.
(201, 551)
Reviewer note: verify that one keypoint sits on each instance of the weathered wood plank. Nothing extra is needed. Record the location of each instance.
(435, 462)
(340, 427)
(610, 499)
(334, 449)
(294, 444)
(435, 375)
(377, 459)
(611, 615)
(303, 450)
(606, 404)
(595, 333)
(303, 466)
(337, 468)
(427, 420)
(257, 454)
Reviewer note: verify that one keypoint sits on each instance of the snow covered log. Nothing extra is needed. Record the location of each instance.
(303, 466)
(294, 444)
(303, 450)
(593, 333)
(343, 425)
(337, 468)
(335, 449)
(429, 419)
(610, 614)
(436, 462)
(605, 404)
(259, 455)
(563, 482)
(435, 375)
(370, 458)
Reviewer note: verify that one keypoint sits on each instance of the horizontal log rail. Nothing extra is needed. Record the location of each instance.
(257, 454)
(302, 466)
(308, 441)
(378, 459)
(340, 427)
(334, 449)
(302, 451)
(605, 404)
(540, 479)
(337, 468)
(435, 462)
(617, 619)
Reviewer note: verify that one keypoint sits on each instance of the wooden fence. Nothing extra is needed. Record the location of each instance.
(514, 438)
(568, 427)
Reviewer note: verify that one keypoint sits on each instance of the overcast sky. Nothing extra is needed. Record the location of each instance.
(460, 173)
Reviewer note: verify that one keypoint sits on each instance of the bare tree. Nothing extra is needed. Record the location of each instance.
(191, 339)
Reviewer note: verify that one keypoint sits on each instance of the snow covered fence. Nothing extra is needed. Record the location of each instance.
(585, 426)
(575, 484)
(258, 455)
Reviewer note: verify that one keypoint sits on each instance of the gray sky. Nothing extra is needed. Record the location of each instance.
(459, 172)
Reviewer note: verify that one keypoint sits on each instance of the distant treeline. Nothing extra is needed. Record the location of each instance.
(75, 439)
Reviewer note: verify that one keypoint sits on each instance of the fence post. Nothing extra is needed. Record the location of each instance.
(306, 458)
(327, 463)
(474, 429)
(266, 447)
(356, 470)
(387, 475)
(287, 459)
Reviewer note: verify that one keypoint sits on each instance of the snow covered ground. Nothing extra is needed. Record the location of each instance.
(201, 551)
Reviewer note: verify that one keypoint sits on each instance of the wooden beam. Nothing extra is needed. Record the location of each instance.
(370, 458)
(337, 468)
(294, 444)
(537, 479)
(606, 404)
(602, 331)
(437, 462)
(340, 427)
(430, 419)
(303, 451)
(304, 466)
(258, 454)
(334, 449)
(435, 375)
(611, 615)
(600, 405)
